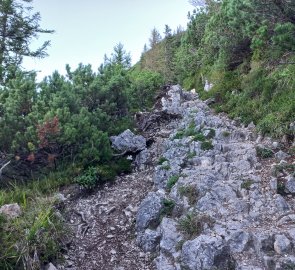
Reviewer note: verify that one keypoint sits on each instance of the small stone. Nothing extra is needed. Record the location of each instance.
(282, 244)
(113, 252)
(110, 236)
(50, 266)
(11, 211)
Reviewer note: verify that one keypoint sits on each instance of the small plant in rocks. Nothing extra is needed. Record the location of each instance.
(191, 154)
(264, 152)
(207, 145)
(190, 192)
(162, 160)
(192, 224)
(247, 184)
(168, 206)
(172, 181)
(226, 134)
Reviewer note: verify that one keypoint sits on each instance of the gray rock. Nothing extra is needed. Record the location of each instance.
(11, 211)
(127, 141)
(281, 203)
(290, 185)
(205, 252)
(170, 236)
(148, 240)
(282, 244)
(172, 103)
(263, 243)
(269, 262)
(281, 155)
(50, 266)
(163, 263)
(149, 211)
(239, 241)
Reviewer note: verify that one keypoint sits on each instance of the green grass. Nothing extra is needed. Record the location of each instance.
(38, 231)
(172, 181)
(192, 224)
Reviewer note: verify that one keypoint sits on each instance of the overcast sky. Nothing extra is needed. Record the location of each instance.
(88, 29)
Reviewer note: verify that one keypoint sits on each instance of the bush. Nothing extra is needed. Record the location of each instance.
(89, 178)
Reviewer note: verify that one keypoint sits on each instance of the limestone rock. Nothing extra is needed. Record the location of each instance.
(128, 141)
(148, 240)
(282, 244)
(149, 211)
(205, 252)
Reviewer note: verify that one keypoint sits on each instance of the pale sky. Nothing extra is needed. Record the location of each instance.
(88, 29)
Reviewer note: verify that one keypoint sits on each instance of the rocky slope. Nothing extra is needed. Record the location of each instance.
(200, 198)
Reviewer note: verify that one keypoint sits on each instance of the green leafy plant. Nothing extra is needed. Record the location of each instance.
(89, 178)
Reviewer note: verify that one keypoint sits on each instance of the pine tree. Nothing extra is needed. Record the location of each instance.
(18, 27)
(155, 38)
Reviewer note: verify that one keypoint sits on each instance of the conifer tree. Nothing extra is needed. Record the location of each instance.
(18, 27)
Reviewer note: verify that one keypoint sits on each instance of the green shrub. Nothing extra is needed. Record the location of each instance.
(89, 178)
(206, 145)
(172, 181)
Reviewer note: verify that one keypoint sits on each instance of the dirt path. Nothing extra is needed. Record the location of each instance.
(104, 223)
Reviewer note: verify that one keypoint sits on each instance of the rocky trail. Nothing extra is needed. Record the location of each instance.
(207, 193)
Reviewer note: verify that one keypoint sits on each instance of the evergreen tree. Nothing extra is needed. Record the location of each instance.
(155, 38)
(18, 27)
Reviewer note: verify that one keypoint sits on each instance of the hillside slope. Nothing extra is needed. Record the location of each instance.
(215, 200)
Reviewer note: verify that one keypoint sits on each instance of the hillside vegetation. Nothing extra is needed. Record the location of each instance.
(245, 48)
(56, 132)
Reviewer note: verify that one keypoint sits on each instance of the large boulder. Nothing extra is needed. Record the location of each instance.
(128, 142)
